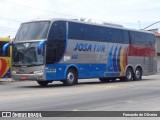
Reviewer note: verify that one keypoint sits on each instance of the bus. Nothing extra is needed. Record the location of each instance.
(68, 50)
(5, 60)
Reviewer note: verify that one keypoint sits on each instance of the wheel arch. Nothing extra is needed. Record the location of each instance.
(129, 66)
(72, 66)
(140, 67)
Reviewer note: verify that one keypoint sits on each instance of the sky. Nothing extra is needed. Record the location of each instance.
(135, 14)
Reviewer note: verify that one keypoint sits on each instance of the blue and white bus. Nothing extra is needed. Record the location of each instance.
(68, 50)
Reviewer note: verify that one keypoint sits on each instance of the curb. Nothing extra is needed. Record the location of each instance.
(6, 80)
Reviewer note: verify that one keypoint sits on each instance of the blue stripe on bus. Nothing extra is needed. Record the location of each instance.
(115, 60)
(110, 61)
(58, 71)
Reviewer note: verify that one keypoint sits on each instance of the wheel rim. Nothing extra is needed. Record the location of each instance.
(129, 75)
(138, 74)
(70, 77)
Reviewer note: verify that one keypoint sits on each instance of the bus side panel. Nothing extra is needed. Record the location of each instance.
(98, 60)
(91, 70)
(144, 56)
(57, 71)
(104, 59)
(93, 60)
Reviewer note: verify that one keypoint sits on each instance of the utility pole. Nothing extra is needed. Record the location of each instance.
(139, 23)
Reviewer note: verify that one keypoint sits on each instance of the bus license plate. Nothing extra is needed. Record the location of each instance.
(24, 77)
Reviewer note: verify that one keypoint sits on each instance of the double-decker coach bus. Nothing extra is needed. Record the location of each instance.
(68, 50)
(5, 59)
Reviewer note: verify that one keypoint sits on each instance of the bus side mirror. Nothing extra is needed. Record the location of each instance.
(5, 48)
(40, 47)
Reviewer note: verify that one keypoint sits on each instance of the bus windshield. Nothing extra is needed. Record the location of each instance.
(27, 56)
(33, 31)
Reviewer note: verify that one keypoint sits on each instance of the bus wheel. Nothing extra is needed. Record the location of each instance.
(138, 74)
(129, 74)
(43, 83)
(71, 78)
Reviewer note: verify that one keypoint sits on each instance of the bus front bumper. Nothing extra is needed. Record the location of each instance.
(34, 77)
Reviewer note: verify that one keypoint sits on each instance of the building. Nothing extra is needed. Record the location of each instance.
(157, 47)
(158, 51)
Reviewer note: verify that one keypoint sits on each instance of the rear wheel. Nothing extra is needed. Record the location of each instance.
(129, 74)
(43, 83)
(138, 74)
(71, 78)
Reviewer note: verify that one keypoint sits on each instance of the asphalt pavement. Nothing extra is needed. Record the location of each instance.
(88, 95)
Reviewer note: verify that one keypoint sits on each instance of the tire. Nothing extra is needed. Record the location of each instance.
(129, 74)
(43, 83)
(138, 74)
(71, 78)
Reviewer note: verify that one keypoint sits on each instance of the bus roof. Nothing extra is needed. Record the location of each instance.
(111, 25)
(103, 25)
(7, 39)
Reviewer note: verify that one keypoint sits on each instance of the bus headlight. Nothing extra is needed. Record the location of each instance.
(37, 72)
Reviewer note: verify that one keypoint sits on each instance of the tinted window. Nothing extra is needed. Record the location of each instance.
(131, 37)
(33, 31)
(149, 39)
(117, 35)
(56, 42)
(139, 38)
(126, 37)
(76, 31)
(81, 31)
(103, 34)
(143, 39)
(97, 33)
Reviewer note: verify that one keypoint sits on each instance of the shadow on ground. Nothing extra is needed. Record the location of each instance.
(82, 82)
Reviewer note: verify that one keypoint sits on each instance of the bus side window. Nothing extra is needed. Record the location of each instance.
(131, 37)
(126, 37)
(138, 38)
(150, 40)
(56, 42)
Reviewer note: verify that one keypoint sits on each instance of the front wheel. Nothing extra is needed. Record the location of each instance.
(71, 78)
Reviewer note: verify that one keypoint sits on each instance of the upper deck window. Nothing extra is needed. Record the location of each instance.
(33, 31)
